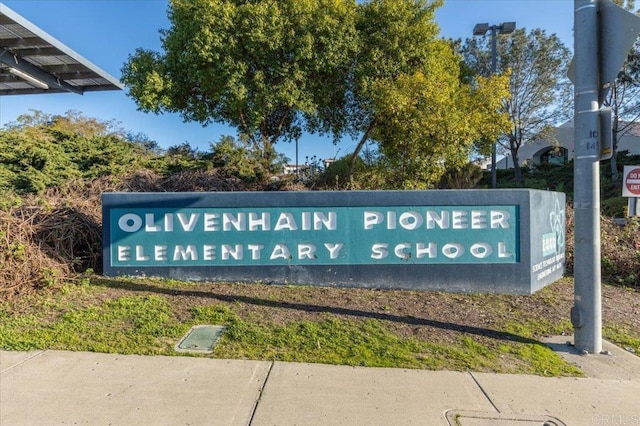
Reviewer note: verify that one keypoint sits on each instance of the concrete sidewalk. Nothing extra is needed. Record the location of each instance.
(56, 387)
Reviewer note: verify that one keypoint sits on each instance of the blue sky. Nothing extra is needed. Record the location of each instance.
(106, 31)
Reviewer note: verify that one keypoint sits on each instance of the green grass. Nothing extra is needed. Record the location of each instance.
(622, 336)
(531, 327)
(538, 359)
(138, 325)
(79, 319)
(146, 325)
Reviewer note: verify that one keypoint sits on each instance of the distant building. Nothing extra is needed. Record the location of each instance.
(561, 150)
(328, 161)
(291, 169)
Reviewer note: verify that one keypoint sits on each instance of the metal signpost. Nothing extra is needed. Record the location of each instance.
(604, 34)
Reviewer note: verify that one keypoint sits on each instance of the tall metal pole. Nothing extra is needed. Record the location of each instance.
(586, 314)
(481, 29)
(494, 54)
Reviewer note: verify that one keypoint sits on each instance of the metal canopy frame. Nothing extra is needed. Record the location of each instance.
(33, 62)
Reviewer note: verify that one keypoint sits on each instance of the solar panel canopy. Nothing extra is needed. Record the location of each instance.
(32, 62)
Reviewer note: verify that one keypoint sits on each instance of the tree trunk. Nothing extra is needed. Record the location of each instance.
(356, 152)
(615, 176)
(517, 171)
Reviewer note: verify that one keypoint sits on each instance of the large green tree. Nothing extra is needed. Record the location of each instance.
(396, 38)
(428, 121)
(271, 69)
(412, 97)
(540, 90)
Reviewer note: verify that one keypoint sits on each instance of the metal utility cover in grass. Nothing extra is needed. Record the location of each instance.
(477, 418)
(200, 339)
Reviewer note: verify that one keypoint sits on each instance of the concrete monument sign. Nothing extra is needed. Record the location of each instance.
(507, 241)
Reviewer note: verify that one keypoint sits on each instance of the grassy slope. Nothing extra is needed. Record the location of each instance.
(114, 318)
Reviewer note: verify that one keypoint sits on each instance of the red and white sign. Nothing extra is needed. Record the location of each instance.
(631, 182)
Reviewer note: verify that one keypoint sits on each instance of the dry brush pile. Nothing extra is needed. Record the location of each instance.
(620, 251)
(54, 238)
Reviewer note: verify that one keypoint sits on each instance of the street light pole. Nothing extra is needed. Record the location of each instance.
(586, 314)
(494, 66)
(603, 35)
(482, 29)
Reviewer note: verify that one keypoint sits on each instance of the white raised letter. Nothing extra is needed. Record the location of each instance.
(499, 218)
(227, 251)
(431, 251)
(160, 253)
(150, 225)
(400, 251)
(433, 219)
(255, 250)
(124, 253)
(372, 218)
(410, 220)
(478, 219)
(334, 249)
(306, 251)
(286, 221)
(239, 222)
(209, 252)
(140, 256)
(379, 251)
(502, 251)
(190, 223)
(453, 250)
(130, 222)
(168, 222)
(391, 219)
(188, 253)
(264, 222)
(481, 250)
(211, 222)
(306, 221)
(459, 219)
(280, 251)
(320, 219)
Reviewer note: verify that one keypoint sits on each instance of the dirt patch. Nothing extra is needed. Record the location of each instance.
(434, 316)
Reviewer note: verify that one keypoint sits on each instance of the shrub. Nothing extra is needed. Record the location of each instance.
(336, 176)
(620, 250)
(465, 177)
(614, 207)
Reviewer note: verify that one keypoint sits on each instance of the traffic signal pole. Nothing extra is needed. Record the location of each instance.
(586, 314)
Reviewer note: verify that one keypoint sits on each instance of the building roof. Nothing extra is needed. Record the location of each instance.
(32, 61)
(628, 128)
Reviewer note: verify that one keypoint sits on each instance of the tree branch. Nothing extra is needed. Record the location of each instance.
(363, 140)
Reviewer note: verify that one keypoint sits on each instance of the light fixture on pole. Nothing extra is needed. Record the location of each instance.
(29, 79)
(480, 30)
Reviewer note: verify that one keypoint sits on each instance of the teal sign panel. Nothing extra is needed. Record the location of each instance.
(499, 241)
(367, 235)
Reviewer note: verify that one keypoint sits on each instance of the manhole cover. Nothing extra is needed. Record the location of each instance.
(200, 339)
(476, 418)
